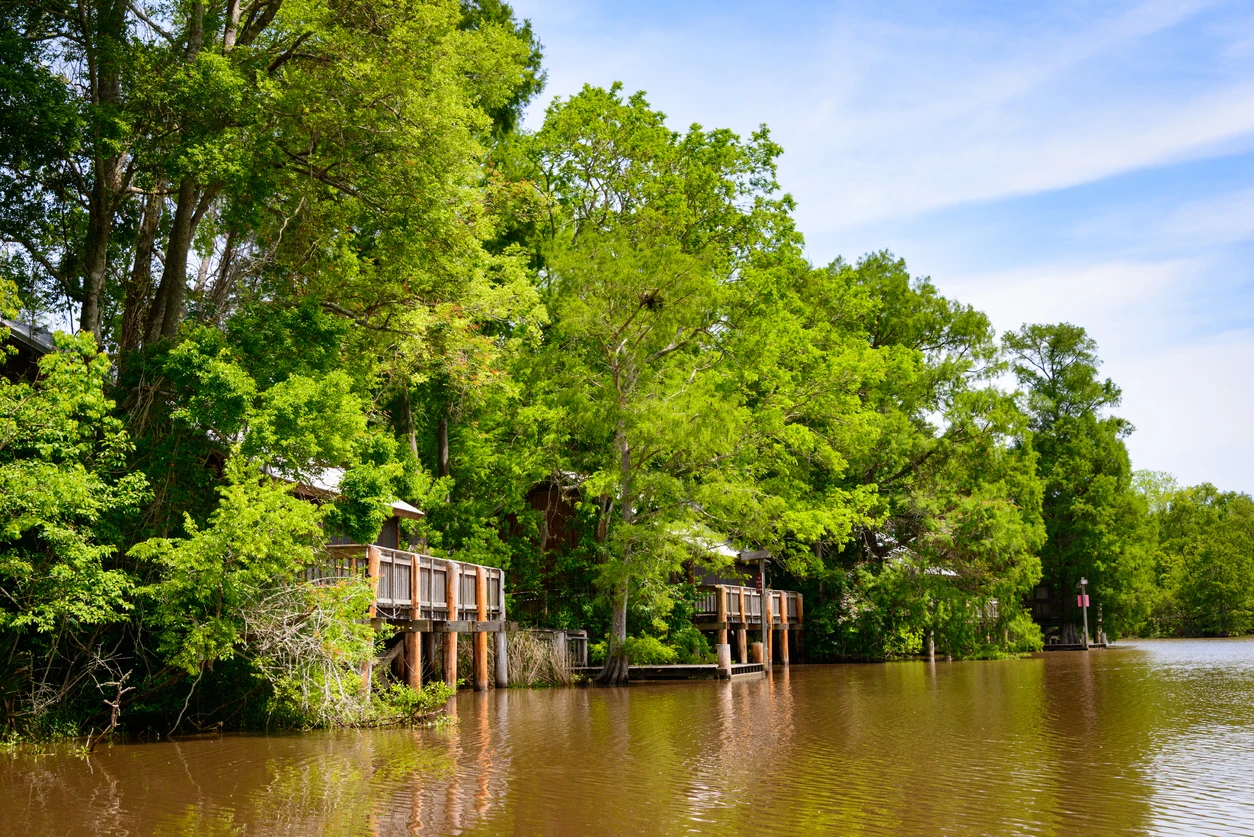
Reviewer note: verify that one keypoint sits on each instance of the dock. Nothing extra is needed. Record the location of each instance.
(727, 609)
(428, 601)
(670, 673)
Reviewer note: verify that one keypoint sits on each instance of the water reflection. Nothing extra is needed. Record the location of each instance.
(1154, 739)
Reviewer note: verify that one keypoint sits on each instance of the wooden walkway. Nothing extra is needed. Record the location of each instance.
(425, 598)
(709, 671)
(727, 608)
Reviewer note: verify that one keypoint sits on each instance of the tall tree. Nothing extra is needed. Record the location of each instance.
(647, 230)
(1092, 515)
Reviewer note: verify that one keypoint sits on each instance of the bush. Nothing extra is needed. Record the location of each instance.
(649, 651)
(691, 646)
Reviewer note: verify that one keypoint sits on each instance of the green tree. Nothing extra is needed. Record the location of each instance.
(1094, 521)
(64, 491)
(647, 230)
(955, 516)
(1205, 562)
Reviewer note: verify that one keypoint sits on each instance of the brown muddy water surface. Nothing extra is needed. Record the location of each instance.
(1152, 738)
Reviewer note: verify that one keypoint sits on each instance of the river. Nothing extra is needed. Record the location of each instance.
(1156, 737)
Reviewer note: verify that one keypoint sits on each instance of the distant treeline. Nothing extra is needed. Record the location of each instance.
(304, 239)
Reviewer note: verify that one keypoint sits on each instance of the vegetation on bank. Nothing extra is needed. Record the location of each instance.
(304, 238)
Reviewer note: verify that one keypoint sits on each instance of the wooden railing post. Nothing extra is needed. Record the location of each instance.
(452, 580)
(372, 572)
(742, 633)
(372, 578)
(720, 610)
(502, 640)
(768, 630)
(480, 637)
(413, 639)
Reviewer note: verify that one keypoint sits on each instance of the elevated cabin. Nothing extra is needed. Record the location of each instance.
(30, 343)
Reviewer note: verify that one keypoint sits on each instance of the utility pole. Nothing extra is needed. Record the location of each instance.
(1084, 609)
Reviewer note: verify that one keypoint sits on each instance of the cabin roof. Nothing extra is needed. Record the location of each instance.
(30, 337)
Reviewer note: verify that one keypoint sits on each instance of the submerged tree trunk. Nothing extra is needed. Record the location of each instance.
(617, 663)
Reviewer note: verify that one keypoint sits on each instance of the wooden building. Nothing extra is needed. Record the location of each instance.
(28, 344)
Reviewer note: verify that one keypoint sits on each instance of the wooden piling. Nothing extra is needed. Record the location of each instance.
(742, 633)
(756, 654)
(783, 629)
(451, 582)
(502, 660)
(372, 578)
(723, 652)
(428, 653)
(721, 613)
(413, 639)
(768, 632)
(481, 638)
(372, 572)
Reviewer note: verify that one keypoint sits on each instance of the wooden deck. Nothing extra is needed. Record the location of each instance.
(645, 674)
(427, 598)
(727, 609)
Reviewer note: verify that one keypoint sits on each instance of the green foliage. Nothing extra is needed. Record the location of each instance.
(1204, 561)
(257, 538)
(1094, 521)
(63, 492)
(648, 651)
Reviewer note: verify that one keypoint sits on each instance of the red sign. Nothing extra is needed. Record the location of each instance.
(759, 582)
(1081, 600)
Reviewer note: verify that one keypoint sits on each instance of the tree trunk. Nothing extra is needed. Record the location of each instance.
(106, 55)
(139, 289)
(616, 662)
(441, 447)
(232, 26)
(167, 308)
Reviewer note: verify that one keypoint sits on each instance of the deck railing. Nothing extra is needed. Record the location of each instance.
(707, 604)
(395, 589)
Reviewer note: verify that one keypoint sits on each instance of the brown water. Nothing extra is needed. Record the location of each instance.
(1155, 738)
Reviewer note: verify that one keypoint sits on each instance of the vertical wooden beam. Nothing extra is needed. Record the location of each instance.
(768, 631)
(721, 613)
(783, 628)
(373, 556)
(372, 578)
(481, 638)
(452, 580)
(783, 646)
(413, 639)
(801, 619)
(428, 653)
(742, 633)
(502, 660)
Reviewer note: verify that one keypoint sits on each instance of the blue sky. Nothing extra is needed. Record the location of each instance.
(1086, 162)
